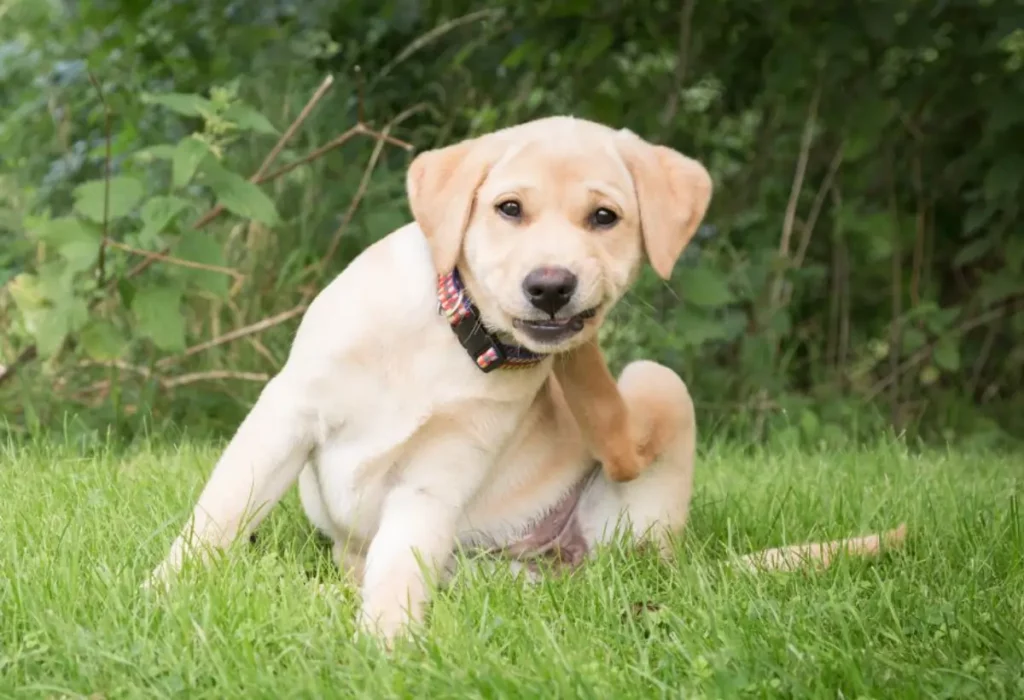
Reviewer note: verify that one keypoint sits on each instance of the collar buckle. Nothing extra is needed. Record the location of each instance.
(487, 354)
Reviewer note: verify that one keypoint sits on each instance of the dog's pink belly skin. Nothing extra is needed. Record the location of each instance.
(556, 539)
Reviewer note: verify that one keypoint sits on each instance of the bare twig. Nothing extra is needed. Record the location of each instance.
(844, 256)
(789, 220)
(263, 351)
(983, 355)
(278, 147)
(919, 234)
(682, 61)
(169, 383)
(815, 213)
(119, 364)
(363, 184)
(336, 142)
(360, 88)
(101, 264)
(812, 221)
(431, 36)
(27, 355)
(896, 299)
(212, 374)
(152, 255)
(251, 329)
(788, 223)
(925, 352)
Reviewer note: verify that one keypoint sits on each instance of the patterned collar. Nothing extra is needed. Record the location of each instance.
(488, 352)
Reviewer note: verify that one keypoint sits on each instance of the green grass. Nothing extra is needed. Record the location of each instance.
(943, 618)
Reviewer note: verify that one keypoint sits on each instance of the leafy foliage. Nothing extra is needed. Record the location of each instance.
(860, 267)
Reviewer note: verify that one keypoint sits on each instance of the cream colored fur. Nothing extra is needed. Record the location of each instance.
(401, 447)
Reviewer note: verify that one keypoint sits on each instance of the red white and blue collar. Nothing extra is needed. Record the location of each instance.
(487, 351)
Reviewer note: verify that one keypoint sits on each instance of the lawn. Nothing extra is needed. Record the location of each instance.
(941, 618)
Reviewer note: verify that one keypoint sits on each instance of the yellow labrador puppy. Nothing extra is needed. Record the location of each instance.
(417, 408)
(431, 396)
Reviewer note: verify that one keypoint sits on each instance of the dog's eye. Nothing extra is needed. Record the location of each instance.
(511, 209)
(603, 218)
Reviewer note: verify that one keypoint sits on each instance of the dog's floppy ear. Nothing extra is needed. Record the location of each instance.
(673, 192)
(441, 185)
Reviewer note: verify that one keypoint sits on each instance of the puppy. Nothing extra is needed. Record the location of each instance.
(428, 400)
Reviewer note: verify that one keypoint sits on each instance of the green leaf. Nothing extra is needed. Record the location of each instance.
(102, 340)
(27, 292)
(56, 232)
(57, 322)
(75, 240)
(974, 250)
(381, 221)
(598, 40)
(126, 290)
(55, 280)
(947, 354)
(238, 195)
(185, 104)
(1017, 322)
(928, 376)
(50, 333)
(524, 51)
(163, 151)
(247, 118)
(158, 315)
(810, 424)
(202, 248)
(706, 287)
(939, 320)
(188, 155)
(125, 193)
(913, 339)
(157, 213)
(999, 286)
(1013, 252)
(81, 255)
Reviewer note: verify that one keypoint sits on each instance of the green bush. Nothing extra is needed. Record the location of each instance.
(860, 268)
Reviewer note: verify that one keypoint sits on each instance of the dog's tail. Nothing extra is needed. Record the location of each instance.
(821, 554)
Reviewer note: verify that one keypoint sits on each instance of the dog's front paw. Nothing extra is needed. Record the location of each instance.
(385, 627)
(623, 461)
(159, 580)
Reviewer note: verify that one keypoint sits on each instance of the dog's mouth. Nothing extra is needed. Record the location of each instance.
(554, 331)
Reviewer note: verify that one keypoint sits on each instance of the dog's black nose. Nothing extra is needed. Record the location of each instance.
(549, 288)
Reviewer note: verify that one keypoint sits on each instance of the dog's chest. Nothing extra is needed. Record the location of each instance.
(370, 437)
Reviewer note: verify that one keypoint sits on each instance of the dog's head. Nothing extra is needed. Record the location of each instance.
(549, 221)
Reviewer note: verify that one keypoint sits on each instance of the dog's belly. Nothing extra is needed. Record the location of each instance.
(553, 537)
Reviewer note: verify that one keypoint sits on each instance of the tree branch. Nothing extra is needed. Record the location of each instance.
(789, 220)
(194, 377)
(154, 256)
(364, 184)
(682, 63)
(101, 263)
(251, 329)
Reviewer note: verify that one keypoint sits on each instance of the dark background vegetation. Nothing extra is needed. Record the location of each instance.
(860, 268)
